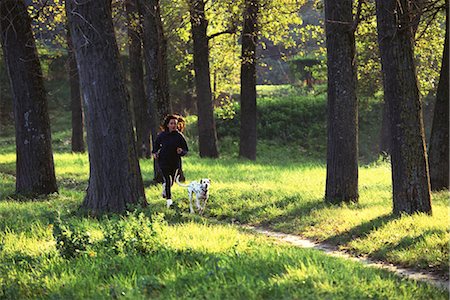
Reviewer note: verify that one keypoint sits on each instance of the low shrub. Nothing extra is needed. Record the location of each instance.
(134, 233)
(71, 240)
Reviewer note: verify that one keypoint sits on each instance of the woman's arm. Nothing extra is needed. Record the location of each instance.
(156, 146)
(183, 149)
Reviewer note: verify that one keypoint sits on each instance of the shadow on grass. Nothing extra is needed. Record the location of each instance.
(73, 184)
(361, 230)
(66, 183)
(245, 214)
(422, 262)
(150, 182)
(8, 168)
(24, 215)
(404, 245)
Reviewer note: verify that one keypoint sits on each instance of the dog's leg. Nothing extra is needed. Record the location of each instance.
(197, 202)
(204, 206)
(191, 209)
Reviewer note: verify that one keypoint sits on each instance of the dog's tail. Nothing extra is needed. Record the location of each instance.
(177, 180)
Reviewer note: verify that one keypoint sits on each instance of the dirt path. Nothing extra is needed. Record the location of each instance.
(333, 251)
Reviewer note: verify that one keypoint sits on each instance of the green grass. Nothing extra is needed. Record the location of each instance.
(191, 260)
(185, 256)
(201, 260)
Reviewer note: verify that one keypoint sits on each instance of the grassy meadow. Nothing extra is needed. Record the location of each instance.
(49, 250)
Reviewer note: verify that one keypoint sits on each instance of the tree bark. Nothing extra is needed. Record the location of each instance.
(6, 109)
(157, 83)
(385, 134)
(342, 147)
(115, 178)
(137, 80)
(410, 177)
(75, 98)
(438, 158)
(248, 135)
(163, 69)
(35, 171)
(207, 134)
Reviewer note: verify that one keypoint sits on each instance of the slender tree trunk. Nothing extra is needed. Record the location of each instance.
(207, 135)
(410, 178)
(154, 60)
(163, 70)
(438, 158)
(150, 41)
(75, 99)
(35, 172)
(5, 97)
(385, 134)
(115, 178)
(342, 147)
(248, 140)
(137, 80)
(189, 99)
(416, 14)
(157, 104)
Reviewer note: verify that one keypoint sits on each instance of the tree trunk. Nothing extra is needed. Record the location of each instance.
(438, 158)
(189, 99)
(163, 70)
(154, 60)
(410, 179)
(35, 171)
(6, 110)
(385, 132)
(75, 98)
(158, 106)
(207, 135)
(342, 147)
(248, 141)
(137, 81)
(115, 178)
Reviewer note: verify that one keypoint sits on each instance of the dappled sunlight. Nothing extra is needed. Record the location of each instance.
(71, 165)
(7, 158)
(7, 185)
(20, 244)
(426, 241)
(209, 238)
(427, 250)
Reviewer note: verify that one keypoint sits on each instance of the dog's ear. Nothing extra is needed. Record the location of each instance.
(201, 181)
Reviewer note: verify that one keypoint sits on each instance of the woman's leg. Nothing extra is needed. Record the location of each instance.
(167, 185)
(174, 172)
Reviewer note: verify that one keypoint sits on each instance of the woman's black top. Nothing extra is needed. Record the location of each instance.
(166, 145)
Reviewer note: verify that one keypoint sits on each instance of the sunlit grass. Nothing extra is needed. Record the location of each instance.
(197, 261)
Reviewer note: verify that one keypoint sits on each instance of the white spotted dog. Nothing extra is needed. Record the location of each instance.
(201, 191)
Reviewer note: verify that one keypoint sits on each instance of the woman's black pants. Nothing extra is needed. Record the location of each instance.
(169, 178)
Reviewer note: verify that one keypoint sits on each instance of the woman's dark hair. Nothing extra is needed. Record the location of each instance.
(181, 122)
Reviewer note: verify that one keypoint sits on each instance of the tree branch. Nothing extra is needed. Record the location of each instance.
(229, 31)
